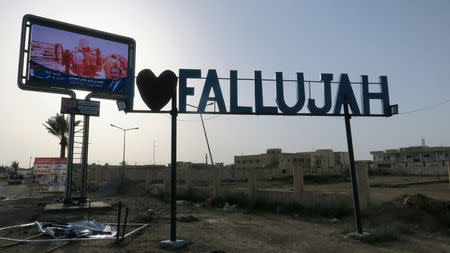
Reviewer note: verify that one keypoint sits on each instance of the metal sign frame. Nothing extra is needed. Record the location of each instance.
(23, 79)
(388, 111)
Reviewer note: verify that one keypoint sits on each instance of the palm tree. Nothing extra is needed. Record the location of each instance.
(15, 165)
(59, 126)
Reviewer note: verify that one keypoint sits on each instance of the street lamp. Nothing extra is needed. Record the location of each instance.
(124, 134)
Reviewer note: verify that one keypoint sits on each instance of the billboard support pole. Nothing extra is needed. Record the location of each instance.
(85, 155)
(352, 169)
(68, 199)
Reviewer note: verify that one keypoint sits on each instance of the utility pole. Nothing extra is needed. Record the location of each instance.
(206, 136)
(123, 153)
(154, 161)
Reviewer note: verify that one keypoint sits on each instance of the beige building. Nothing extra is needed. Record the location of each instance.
(419, 160)
(270, 159)
(319, 161)
(412, 154)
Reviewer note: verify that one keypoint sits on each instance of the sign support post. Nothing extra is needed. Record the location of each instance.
(352, 169)
(68, 199)
(173, 182)
(173, 242)
(85, 156)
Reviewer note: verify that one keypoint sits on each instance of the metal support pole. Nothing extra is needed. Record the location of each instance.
(123, 152)
(352, 169)
(173, 194)
(207, 142)
(68, 198)
(124, 228)
(84, 159)
(119, 211)
(123, 159)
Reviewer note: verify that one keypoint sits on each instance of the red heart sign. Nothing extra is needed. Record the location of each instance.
(156, 91)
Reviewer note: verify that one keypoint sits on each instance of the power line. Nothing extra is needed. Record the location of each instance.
(426, 107)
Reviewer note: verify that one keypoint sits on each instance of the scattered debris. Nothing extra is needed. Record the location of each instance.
(228, 207)
(182, 202)
(81, 237)
(209, 200)
(199, 204)
(189, 218)
(57, 200)
(76, 229)
(334, 220)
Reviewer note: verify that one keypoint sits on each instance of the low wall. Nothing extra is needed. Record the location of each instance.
(309, 198)
(298, 196)
(412, 168)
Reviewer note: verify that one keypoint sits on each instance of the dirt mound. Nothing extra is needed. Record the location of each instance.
(416, 210)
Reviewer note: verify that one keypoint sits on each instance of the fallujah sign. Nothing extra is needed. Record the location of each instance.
(344, 95)
(156, 92)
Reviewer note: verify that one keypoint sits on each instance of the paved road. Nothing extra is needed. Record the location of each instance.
(27, 189)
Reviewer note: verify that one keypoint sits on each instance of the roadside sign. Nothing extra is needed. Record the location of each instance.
(81, 107)
(52, 172)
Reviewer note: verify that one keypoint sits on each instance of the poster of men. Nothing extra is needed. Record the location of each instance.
(51, 171)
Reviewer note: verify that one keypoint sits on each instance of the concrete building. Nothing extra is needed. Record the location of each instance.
(270, 159)
(319, 161)
(418, 160)
(412, 154)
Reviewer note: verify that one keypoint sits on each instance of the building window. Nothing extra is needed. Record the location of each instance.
(283, 172)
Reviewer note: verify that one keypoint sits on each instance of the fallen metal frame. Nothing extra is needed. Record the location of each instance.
(141, 226)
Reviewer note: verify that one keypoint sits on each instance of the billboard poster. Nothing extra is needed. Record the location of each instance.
(56, 57)
(80, 107)
(52, 172)
(58, 171)
(77, 60)
(42, 170)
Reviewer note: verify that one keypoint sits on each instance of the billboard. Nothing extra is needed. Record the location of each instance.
(81, 107)
(58, 172)
(60, 55)
(51, 172)
(42, 170)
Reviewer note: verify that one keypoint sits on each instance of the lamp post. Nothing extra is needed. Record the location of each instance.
(124, 134)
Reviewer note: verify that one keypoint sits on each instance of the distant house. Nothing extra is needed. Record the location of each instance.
(417, 160)
(412, 154)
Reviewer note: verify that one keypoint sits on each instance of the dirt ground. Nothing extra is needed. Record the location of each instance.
(215, 231)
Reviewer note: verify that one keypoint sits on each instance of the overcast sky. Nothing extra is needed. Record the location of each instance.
(408, 41)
